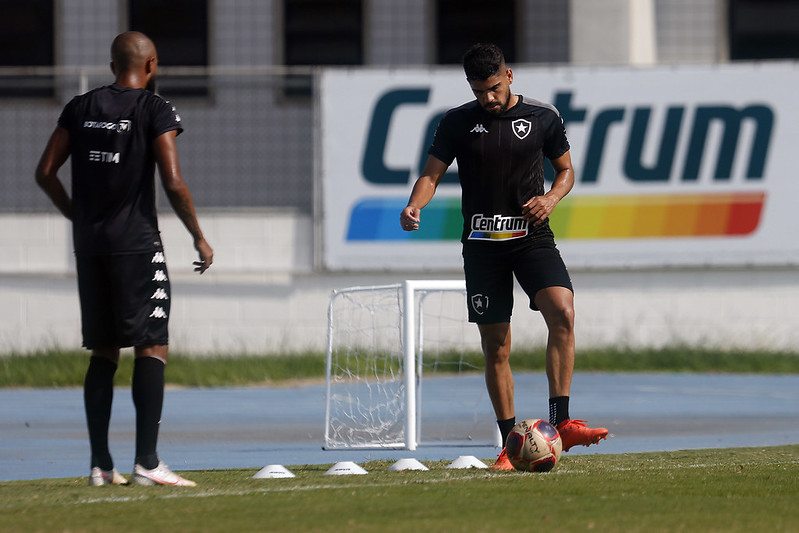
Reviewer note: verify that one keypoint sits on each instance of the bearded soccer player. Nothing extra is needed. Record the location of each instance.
(500, 140)
(116, 135)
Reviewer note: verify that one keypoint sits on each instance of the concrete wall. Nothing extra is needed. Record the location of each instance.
(645, 32)
(263, 296)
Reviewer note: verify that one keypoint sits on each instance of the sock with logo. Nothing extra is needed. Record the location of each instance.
(147, 389)
(505, 426)
(558, 410)
(98, 395)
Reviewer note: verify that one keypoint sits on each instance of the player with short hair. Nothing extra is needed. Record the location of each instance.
(116, 135)
(500, 140)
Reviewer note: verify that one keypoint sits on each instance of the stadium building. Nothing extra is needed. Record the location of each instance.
(245, 77)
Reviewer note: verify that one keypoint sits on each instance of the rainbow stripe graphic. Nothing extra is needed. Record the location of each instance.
(580, 217)
(377, 219)
(653, 216)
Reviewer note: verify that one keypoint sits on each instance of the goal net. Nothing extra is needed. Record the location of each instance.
(404, 368)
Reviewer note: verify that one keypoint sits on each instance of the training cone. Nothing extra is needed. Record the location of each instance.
(273, 471)
(345, 468)
(408, 464)
(467, 461)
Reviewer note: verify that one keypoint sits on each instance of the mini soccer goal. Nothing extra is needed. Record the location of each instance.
(404, 368)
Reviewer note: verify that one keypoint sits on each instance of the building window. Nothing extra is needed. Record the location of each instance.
(179, 29)
(764, 29)
(462, 23)
(320, 32)
(26, 40)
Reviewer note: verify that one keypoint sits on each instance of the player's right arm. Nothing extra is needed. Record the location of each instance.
(53, 157)
(422, 193)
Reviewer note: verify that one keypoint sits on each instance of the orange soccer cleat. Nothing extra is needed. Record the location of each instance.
(576, 433)
(503, 463)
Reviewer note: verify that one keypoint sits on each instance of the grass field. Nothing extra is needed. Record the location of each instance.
(67, 368)
(743, 489)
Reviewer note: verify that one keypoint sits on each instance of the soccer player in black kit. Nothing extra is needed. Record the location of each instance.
(500, 140)
(116, 135)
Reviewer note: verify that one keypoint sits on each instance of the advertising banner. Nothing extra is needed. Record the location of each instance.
(674, 166)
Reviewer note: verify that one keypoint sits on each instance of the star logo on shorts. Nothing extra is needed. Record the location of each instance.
(521, 127)
(479, 303)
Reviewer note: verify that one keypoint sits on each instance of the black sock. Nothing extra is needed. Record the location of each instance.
(558, 409)
(505, 426)
(98, 394)
(148, 397)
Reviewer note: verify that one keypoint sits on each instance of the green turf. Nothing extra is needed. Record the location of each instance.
(744, 489)
(67, 368)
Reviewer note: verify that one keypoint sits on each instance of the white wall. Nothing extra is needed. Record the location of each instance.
(613, 32)
(262, 296)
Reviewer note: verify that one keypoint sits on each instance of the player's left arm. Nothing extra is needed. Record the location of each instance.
(53, 157)
(538, 208)
(166, 157)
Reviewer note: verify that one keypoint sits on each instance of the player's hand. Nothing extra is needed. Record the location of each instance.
(206, 256)
(538, 208)
(409, 218)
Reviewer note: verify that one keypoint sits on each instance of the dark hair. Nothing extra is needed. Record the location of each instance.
(482, 61)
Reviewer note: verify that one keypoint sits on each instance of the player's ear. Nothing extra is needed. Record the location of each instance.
(509, 74)
(150, 65)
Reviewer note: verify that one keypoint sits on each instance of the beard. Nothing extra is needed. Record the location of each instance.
(498, 108)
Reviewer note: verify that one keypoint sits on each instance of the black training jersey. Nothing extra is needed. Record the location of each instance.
(111, 132)
(500, 165)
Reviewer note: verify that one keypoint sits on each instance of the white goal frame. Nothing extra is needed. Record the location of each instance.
(411, 339)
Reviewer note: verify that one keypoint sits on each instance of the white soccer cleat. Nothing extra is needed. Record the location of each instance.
(99, 477)
(160, 475)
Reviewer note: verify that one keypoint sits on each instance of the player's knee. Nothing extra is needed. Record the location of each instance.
(496, 350)
(496, 358)
(568, 316)
(562, 318)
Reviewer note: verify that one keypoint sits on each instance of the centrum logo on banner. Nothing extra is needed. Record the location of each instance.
(683, 147)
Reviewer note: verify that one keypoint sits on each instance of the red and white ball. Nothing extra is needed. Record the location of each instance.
(534, 445)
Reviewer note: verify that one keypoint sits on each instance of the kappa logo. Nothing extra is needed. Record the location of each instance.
(479, 303)
(158, 258)
(160, 275)
(159, 294)
(158, 312)
(478, 128)
(521, 127)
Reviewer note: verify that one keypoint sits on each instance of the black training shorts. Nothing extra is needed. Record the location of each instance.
(124, 299)
(490, 267)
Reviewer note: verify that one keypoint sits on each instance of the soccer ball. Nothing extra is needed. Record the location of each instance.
(533, 445)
